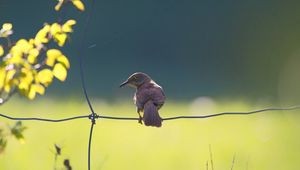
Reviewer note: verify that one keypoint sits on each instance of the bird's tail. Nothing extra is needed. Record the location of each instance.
(151, 116)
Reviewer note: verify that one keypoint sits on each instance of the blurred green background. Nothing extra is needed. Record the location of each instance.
(193, 48)
(209, 57)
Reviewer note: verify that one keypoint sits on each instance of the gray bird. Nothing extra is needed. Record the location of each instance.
(148, 98)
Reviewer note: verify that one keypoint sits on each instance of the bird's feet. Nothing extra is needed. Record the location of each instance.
(140, 120)
(140, 116)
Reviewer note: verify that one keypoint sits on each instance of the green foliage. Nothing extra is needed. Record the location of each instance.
(3, 141)
(16, 131)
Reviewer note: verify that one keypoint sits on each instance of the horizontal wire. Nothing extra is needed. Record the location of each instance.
(43, 119)
(117, 118)
(167, 118)
(234, 113)
(208, 116)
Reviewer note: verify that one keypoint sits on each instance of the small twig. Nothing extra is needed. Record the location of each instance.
(57, 153)
(9, 42)
(55, 161)
(8, 96)
(206, 165)
(67, 164)
(211, 158)
(233, 160)
(247, 164)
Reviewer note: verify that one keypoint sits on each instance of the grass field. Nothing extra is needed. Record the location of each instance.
(265, 141)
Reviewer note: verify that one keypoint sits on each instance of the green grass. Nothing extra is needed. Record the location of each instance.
(265, 141)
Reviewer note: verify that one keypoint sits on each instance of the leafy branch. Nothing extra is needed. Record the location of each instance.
(28, 66)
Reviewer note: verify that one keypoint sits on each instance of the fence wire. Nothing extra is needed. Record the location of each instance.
(93, 116)
(81, 52)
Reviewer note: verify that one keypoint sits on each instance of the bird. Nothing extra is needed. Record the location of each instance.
(148, 98)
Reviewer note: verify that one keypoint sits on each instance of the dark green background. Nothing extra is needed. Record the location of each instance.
(191, 47)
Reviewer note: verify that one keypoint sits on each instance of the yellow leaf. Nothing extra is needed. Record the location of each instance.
(38, 88)
(53, 52)
(58, 5)
(6, 30)
(67, 27)
(32, 93)
(64, 60)
(78, 4)
(41, 36)
(52, 55)
(45, 77)
(8, 86)
(33, 53)
(16, 51)
(27, 75)
(61, 39)
(7, 26)
(71, 22)
(2, 77)
(23, 46)
(1, 51)
(24, 86)
(60, 72)
(10, 75)
(31, 41)
(16, 58)
(55, 29)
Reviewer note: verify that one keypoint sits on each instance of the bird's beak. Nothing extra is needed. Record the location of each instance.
(124, 83)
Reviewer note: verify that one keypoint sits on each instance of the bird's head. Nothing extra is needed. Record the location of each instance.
(136, 80)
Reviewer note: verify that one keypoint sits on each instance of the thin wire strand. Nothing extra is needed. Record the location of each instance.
(80, 54)
(117, 118)
(90, 145)
(208, 116)
(168, 118)
(234, 113)
(43, 119)
(92, 117)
